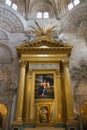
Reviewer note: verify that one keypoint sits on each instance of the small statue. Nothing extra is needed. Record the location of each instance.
(44, 114)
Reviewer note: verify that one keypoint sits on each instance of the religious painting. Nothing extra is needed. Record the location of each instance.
(44, 86)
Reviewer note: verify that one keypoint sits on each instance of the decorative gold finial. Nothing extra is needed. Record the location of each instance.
(46, 31)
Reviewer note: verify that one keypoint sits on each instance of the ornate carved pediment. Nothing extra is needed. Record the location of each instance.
(43, 45)
(43, 42)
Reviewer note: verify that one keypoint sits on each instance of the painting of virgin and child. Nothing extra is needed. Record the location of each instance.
(44, 86)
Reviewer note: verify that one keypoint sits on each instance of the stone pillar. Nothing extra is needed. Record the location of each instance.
(68, 91)
(20, 93)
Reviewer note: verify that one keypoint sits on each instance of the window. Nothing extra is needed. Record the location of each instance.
(14, 6)
(76, 2)
(8, 2)
(42, 15)
(39, 15)
(46, 15)
(73, 4)
(70, 6)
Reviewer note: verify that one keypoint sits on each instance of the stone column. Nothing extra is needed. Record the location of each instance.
(20, 93)
(68, 91)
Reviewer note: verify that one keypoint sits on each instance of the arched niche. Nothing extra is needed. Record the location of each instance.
(5, 54)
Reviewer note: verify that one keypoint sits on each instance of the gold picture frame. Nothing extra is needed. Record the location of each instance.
(44, 85)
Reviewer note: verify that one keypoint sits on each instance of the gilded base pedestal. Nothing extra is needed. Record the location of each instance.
(69, 125)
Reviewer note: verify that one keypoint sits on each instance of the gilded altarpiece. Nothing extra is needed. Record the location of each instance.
(44, 95)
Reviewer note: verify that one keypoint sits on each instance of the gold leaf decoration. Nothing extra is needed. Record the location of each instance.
(46, 31)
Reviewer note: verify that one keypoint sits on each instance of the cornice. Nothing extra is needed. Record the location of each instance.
(44, 41)
(53, 50)
(53, 47)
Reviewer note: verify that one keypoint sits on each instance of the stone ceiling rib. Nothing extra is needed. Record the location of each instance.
(59, 6)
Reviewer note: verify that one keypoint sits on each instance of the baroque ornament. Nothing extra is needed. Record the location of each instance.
(44, 30)
(47, 30)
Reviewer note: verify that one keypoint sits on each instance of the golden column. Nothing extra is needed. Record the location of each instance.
(28, 95)
(59, 96)
(68, 91)
(20, 93)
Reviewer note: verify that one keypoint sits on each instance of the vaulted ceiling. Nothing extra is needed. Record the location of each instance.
(58, 7)
(74, 20)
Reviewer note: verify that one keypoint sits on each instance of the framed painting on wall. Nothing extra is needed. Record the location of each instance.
(44, 86)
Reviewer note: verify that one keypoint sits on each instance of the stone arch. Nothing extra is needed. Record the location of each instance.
(42, 6)
(5, 54)
(3, 35)
(10, 21)
(76, 20)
